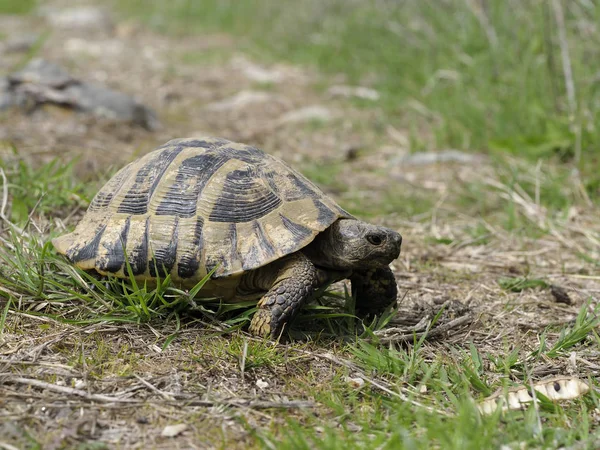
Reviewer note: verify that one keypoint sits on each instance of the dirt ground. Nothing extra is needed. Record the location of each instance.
(203, 85)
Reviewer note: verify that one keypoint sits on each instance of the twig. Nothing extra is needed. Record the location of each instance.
(234, 402)
(6, 446)
(25, 362)
(4, 193)
(3, 207)
(568, 72)
(29, 217)
(444, 328)
(548, 27)
(63, 389)
(9, 292)
(484, 22)
(564, 53)
(154, 388)
(243, 361)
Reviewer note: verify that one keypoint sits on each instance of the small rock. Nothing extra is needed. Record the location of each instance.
(445, 156)
(306, 114)
(241, 100)
(43, 72)
(42, 81)
(352, 153)
(6, 97)
(353, 91)
(560, 295)
(103, 48)
(104, 102)
(257, 73)
(18, 44)
(174, 430)
(573, 361)
(262, 384)
(83, 17)
(355, 382)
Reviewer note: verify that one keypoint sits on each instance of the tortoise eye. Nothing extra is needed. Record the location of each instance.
(374, 239)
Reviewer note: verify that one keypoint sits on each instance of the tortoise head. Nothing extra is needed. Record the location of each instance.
(353, 244)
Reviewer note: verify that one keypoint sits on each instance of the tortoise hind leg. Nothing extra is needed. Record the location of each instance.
(294, 284)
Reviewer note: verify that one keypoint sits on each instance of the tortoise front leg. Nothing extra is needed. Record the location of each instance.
(296, 282)
(375, 290)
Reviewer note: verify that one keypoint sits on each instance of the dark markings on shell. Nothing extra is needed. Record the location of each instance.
(103, 198)
(179, 200)
(183, 143)
(300, 232)
(244, 198)
(136, 199)
(269, 176)
(301, 188)
(254, 256)
(116, 251)
(264, 240)
(138, 258)
(88, 251)
(164, 257)
(223, 260)
(326, 215)
(248, 154)
(188, 263)
(233, 244)
(197, 143)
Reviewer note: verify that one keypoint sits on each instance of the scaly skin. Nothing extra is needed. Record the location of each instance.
(297, 280)
(375, 290)
(349, 248)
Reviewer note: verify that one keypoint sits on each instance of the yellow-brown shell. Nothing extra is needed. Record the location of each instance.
(195, 204)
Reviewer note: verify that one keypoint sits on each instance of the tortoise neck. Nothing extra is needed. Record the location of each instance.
(327, 249)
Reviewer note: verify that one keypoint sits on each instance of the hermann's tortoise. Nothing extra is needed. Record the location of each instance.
(194, 205)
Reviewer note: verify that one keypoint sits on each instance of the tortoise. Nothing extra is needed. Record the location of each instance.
(267, 233)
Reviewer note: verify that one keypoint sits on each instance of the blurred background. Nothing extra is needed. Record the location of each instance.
(487, 75)
(344, 89)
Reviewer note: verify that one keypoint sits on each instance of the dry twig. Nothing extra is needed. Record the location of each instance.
(174, 401)
(437, 331)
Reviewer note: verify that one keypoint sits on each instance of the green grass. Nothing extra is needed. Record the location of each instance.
(448, 85)
(414, 396)
(487, 79)
(368, 417)
(44, 189)
(17, 6)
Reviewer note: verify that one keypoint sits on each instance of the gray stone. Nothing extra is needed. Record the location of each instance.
(42, 72)
(241, 100)
(18, 44)
(42, 82)
(353, 91)
(306, 114)
(444, 156)
(82, 17)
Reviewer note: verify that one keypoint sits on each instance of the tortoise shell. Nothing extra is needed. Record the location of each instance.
(195, 204)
